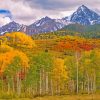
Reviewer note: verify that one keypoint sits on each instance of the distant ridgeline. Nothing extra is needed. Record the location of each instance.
(83, 20)
(91, 31)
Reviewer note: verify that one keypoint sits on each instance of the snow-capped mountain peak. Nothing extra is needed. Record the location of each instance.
(47, 18)
(12, 27)
(85, 16)
(42, 21)
(45, 24)
(82, 7)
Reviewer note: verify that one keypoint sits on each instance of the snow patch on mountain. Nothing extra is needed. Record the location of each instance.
(82, 15)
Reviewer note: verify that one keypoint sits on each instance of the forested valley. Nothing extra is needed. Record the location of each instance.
(48, 65)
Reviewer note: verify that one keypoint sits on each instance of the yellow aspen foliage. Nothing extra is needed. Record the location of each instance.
(5, 48)
(7, 58)
(59, 70)
(20, 39)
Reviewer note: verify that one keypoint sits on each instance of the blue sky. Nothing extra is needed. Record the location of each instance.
(5, 16)
(5, 13)
(28, 11)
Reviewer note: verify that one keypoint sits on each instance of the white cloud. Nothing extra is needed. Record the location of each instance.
(4, 21)
(25, 13)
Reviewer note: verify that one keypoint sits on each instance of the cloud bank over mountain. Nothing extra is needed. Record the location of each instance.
(27, 11)
(5, 16)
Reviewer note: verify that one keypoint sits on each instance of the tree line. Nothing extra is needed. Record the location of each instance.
(28, 74)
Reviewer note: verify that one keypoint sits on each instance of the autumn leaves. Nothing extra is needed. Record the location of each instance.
(68, 65)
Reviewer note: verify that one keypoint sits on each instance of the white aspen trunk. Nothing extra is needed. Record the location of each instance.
(59, 87)
(36, 88)
(52, 92)
(85, 88)
(77, 73)
(40, 82)
(29, 90)
(44, 82)
(8, 88)
(33, 91)
(82, 86)
(73, 86)
(88, 84)
(18, 85)
(13, 87)
(91, 85)
(2, 85)
(56, 87)
(25, 71)
(94, 83)
(47, 87)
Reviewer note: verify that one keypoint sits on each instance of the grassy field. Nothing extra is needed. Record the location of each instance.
(66, 97)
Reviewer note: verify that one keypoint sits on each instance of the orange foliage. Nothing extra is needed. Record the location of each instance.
(5, 48)
(7, 58)
(76, 44)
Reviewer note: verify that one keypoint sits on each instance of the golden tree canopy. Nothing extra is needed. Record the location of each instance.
(20, 39)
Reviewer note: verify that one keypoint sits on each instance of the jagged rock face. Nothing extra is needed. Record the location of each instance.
(85, 16)
(82, 15)
(44, 25)
(12, 27)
